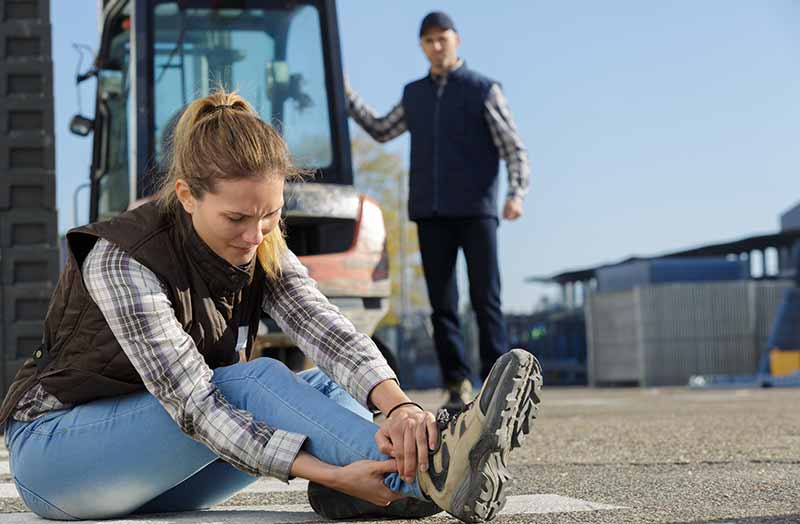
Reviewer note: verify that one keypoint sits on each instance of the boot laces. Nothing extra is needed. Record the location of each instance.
(446, 419)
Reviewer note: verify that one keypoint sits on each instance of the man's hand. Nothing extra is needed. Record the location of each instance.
(364, 479)
(513, 208)
(347, 89)
(407, 436)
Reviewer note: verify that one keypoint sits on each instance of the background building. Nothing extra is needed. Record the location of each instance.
(659, 320)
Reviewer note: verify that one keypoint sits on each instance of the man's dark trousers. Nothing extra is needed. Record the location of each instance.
(439, 242)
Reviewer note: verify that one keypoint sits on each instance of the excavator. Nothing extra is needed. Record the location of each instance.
(283, 56)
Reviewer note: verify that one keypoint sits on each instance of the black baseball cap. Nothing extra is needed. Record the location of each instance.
(436, 19)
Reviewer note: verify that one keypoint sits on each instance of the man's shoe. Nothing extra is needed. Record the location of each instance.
(468, 470)
(459, 395)
(335, 505)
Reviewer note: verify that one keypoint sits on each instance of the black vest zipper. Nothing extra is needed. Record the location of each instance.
(439, 92)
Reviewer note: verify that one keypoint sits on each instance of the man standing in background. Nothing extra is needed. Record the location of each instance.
(460, 127)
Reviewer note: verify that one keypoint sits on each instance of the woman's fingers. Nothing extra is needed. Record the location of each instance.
(378, 493)
(433, 431)
(383, 442)
(422, 446)
(365, 479)
(408, 439)
(386, 466)
(384, 496)
(409, 467)
(398, 450)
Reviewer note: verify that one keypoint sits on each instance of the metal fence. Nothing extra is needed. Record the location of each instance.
(558, 339)
(661, 335)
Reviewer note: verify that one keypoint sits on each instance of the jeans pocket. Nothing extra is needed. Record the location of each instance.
(40, 506)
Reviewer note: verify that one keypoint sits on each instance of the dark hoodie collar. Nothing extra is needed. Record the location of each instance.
(221, 277)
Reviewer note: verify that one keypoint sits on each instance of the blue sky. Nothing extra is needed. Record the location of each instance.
(651, 126)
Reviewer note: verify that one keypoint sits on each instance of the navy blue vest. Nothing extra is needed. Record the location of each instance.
(454, 161)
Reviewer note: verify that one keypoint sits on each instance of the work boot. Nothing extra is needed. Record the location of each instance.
(468, 470)
(459, 395)
(335, 505)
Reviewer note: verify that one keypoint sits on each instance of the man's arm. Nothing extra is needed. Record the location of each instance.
(381, 129)
(511, 148)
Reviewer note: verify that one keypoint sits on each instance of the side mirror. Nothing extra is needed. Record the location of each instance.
(81, 125)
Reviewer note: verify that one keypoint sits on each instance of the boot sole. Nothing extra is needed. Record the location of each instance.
(334, 505)
(511, 413)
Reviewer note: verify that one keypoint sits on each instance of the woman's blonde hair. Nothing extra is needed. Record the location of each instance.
(221, 137)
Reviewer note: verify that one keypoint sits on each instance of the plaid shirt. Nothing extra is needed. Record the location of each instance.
(498, 117)
(135, 305)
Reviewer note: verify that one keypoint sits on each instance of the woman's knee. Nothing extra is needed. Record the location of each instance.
(267, 364)
(257, 368)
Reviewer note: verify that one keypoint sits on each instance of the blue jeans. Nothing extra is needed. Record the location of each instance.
(123, 455)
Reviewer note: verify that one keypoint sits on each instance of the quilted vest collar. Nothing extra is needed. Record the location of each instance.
(222, 277)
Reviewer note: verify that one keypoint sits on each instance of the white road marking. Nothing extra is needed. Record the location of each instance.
(276, 486)
(547, 503)
(296, 513)
(8, 490)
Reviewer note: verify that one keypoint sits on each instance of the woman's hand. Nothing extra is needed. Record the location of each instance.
(407, 436)
(364, 479)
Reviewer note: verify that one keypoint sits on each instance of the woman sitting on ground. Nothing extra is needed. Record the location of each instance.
(137, 401)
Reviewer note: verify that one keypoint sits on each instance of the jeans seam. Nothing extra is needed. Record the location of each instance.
(314, 422)
(33, 493)
(82, 426)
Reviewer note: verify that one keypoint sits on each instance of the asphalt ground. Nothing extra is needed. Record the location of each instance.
(668, 455)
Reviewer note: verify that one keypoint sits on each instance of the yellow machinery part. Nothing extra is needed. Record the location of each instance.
(783, 362)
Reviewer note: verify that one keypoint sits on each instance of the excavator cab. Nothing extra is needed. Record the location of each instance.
(158, 55)
(283, 56)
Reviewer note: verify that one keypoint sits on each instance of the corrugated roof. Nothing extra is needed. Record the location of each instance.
(735, 247)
